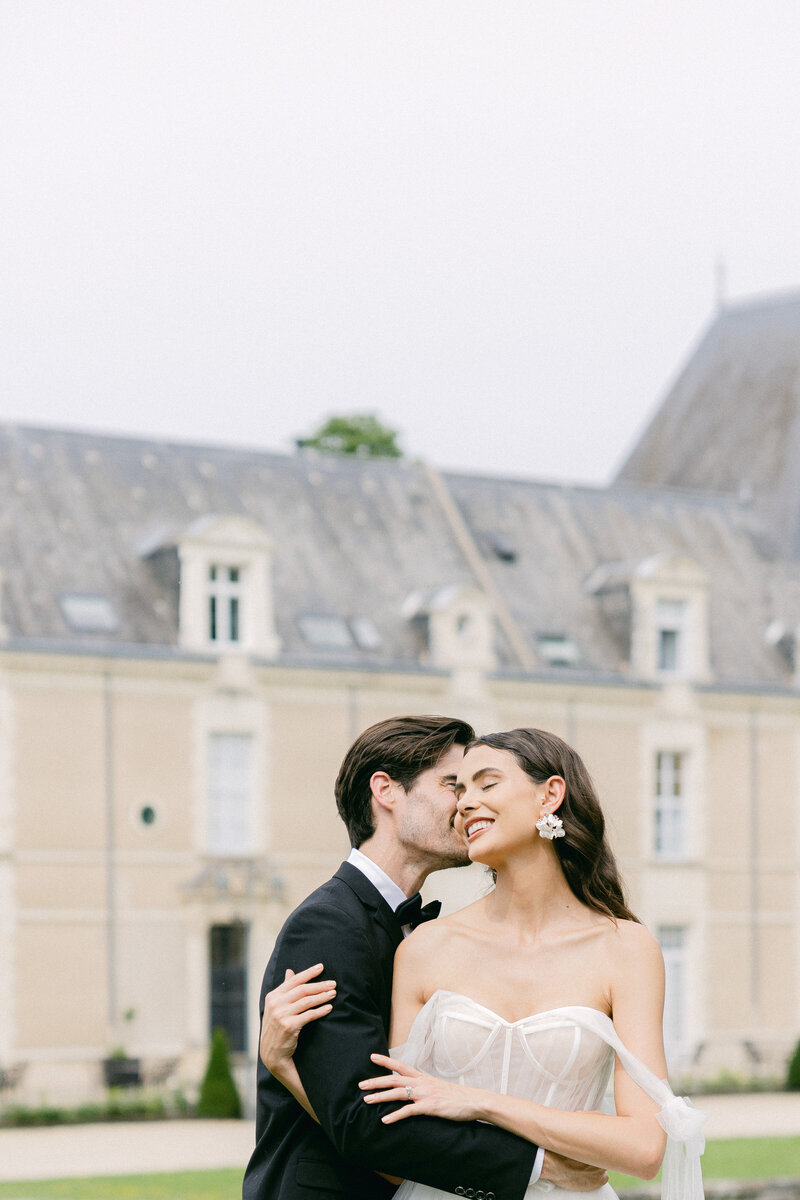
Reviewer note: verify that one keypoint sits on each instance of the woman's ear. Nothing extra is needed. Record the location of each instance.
(555, 789)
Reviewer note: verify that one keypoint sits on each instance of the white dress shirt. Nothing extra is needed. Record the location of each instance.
(394, 895)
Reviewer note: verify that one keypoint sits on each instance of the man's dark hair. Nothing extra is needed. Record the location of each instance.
(403, 747)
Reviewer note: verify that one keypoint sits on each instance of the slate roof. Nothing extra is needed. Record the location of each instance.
(81, 513)
(563, 534)
(731, 421)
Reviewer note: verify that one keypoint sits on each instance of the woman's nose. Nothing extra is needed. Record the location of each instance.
(464, 804)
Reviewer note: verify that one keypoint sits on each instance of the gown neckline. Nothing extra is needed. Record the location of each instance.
(545, 1012)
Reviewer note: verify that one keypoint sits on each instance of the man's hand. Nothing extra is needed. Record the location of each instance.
(571, 1175)
(294, 1003)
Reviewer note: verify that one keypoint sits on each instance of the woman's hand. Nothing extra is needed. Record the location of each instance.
(425, 1094)
(300, 999)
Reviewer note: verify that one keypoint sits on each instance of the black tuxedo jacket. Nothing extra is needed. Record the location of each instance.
(348, 926)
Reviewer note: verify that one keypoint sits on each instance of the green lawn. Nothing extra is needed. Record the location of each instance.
(735, 1158)
(183, 1185)
(740, 1158)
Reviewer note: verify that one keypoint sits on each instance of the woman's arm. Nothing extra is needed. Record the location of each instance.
(301, 998)
(632, 1141)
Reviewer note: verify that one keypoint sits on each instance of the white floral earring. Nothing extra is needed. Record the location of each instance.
(550, 826)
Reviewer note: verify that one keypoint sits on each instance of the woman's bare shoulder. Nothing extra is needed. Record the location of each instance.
(632, 947)
(633, 936)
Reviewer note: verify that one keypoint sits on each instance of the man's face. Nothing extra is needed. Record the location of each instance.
(427, 822)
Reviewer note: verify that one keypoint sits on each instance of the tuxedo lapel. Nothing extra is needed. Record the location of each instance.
(369, 896)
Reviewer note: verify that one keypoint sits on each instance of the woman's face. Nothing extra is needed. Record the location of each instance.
(498, 805)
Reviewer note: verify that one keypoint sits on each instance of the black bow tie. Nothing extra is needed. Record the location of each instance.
(413, 912)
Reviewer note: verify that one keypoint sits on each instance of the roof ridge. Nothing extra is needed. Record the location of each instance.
(167, 442)
(763, 302)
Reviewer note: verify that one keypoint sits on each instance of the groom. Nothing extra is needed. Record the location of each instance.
(395, 793)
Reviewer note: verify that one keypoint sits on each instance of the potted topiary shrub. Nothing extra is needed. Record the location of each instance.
(218, 1095)
(793, 1073)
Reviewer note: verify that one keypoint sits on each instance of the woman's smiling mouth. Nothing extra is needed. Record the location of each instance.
(476, 826)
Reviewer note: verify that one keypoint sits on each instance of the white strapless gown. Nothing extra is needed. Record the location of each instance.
(562, 1058)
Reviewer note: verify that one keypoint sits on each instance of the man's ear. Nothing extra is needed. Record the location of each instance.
(381, 786)
(555, 789)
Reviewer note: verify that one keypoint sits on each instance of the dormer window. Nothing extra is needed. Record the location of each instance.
(325, 632)
(671, 636)
(659, 606)
(457, 627)
(88, 614)
(558, 649)
(225, 587)
(224, 603)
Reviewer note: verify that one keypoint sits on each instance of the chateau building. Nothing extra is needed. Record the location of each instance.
(191, 636)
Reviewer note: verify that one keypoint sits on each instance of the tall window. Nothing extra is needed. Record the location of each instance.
(669, 825)
(228, 982)
(672, 939)
(671, 636)
(224, 604)
(230, 798)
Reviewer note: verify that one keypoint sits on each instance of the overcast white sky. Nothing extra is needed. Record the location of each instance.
(495, 223)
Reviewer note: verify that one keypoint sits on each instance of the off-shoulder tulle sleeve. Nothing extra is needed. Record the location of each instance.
(417, 1050)
(681, 1176)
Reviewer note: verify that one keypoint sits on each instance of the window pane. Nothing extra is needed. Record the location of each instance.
(669, 814)
(672, 939)
(667, 650)
(225, 603)
(671, 613)
(228, 982)
(668, 774)
(230, 793)
(671, 634)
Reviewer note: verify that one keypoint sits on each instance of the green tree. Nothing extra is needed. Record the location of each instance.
(218, 1094)
(360, 434)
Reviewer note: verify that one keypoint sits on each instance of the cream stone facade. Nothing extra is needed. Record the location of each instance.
(191, 637)
(108, 911)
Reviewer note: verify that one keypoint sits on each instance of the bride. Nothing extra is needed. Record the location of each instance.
(516, 1009)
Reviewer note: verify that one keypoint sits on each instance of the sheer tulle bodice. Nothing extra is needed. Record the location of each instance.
(561, 1058)
(547, 1057)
